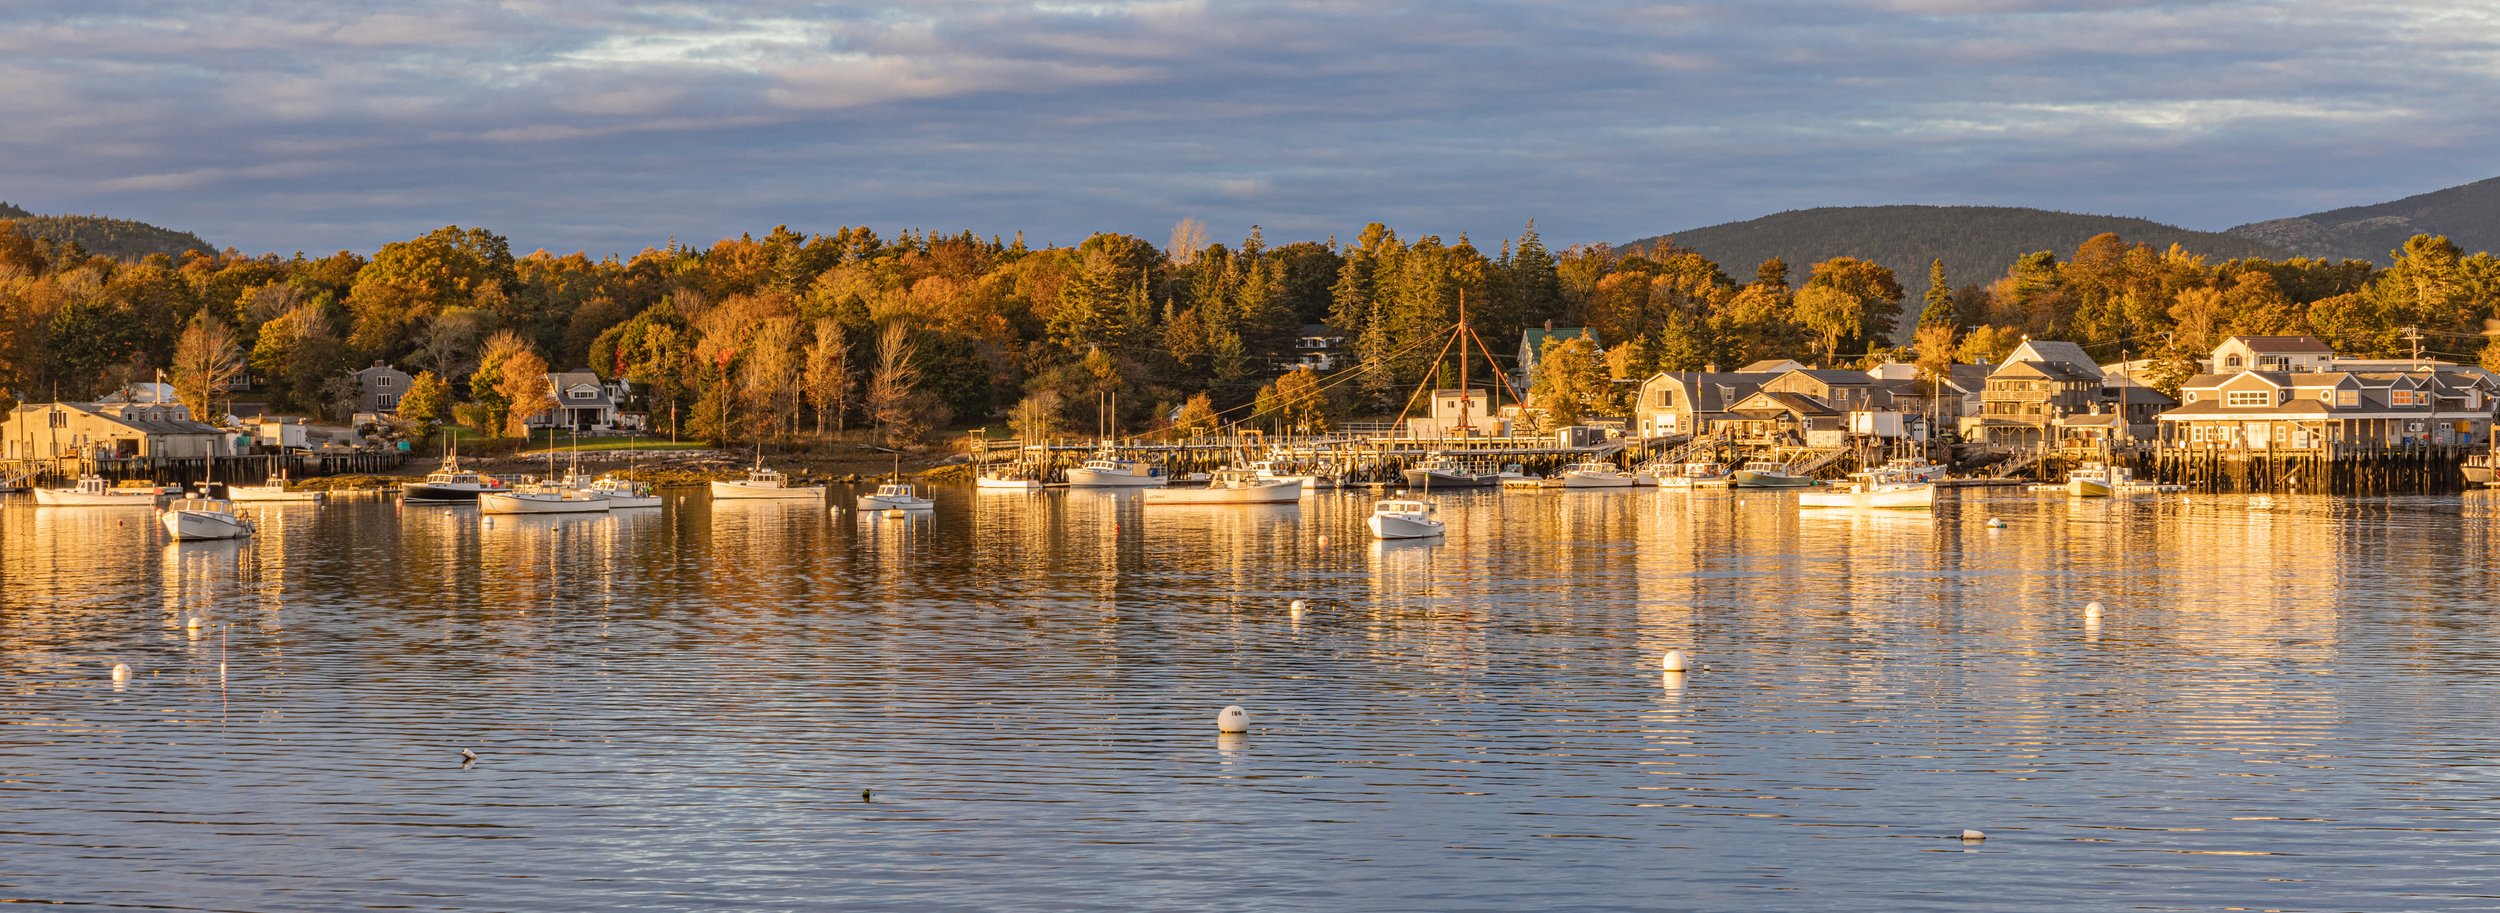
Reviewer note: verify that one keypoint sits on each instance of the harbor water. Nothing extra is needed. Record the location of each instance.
(1010, 704)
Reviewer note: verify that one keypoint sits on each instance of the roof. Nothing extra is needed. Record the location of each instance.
(1534, 340)
(1704, 387)
(1320, 329)
(1836, 376)
(1772, 366)
(1972, 377)
(1784, 402)
(2050, 370)
(2285, 345)
(2052, 350)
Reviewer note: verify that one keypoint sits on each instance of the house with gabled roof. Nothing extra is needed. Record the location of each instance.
(583, 402)
(1673, 403)
(108, 431)
(2295, 354)
(1532, 349)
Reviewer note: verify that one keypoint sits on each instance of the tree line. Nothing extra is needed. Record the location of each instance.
(789, 335)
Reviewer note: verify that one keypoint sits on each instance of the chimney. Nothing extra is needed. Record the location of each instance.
(1549, 324)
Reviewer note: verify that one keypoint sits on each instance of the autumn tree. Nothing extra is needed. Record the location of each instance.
(207, 363)
(1571, 381)
(427, 403)
(828, 374)
(1037, 418)
(512, 383)
(894, 397)
(1197, 418)
(1848, 300)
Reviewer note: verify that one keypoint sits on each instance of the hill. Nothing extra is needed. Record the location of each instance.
(121, 238)
(2469, 215)
(1977, 243)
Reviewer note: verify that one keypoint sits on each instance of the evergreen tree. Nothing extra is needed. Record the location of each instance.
(1940, 308)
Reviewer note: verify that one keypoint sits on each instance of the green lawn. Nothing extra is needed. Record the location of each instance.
(540, 443)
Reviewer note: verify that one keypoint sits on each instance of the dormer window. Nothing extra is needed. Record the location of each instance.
(2250, 398)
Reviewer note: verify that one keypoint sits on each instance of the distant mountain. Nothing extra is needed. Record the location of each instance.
(121, 238)
(1977, 243)
(2469, 215)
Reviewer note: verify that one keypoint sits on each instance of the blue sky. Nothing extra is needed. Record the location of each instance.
(610, 127)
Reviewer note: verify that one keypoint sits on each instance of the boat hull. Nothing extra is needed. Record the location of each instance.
(1081, 477)
(513, 503)
(270, 494)
(628, 502)
(1746, 478)
(188, 525)
(1442, 478)
(1577, 479)
(1270, 491)
(52, 497)
(1385, 526)
(2087, 488)
(874, 502)
(429, 493)
(985, 483)
(741, 491)
(1907, 497)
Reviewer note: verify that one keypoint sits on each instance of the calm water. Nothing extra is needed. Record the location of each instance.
(678, 710)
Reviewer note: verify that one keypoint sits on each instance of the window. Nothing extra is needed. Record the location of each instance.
(381, 382)
(2400, 398)
(60, 419)
(2191, 396)
(386, 401)
(2231, 362)
(2251, 397)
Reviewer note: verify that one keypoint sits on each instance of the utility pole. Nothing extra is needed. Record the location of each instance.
(2414, 335)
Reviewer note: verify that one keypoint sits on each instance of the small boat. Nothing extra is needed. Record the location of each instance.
(1918, 470)
(1018, 476)
(764, 485)
(1769, 474)
(2478, 469)
(1440, 471)
(1108, 471)
(94, 491)
(1882, 488)
(620, 493)
(1596, 474)
(2097, 480)
(1231, 486)
(273, 490)
(205, 515)
(1520, 481)
(1404, 519)
(450, 485)
(1694, 475)
(895, 496)
(547, 498)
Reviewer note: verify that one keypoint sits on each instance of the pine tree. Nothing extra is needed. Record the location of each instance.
(1940, 310)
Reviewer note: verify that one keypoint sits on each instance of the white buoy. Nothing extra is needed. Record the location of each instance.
(490, 522)
(192, 622)
(1971, 836)
(1994, 523)
(467, 756)
(1233, 719)
(121, 672)
(1673, 661)
(1298, 606)
(2092, 610)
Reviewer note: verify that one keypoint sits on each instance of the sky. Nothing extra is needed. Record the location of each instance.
(320, 125)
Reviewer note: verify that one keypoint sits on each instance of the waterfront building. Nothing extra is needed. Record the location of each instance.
(108, 431)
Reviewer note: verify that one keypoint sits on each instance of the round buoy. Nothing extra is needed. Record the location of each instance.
(1298, 606)
(1323, 541)
(193, 622)
(1673, 661)
(1994, 523)
(1972, 836)
(121, 672)
(1233, 719)
(2092, 610)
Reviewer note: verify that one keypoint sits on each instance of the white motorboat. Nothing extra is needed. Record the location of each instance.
(1885, 489)
(1596, 474)
(273, 490)
(1017, 476)
(549, 498)
(1769, 474)
(1441, 471)
(1404, 520)
(94, 491)
(1108, 471)
(1231, 486)
(620, 493)
(204, 516)
(895, 496)
(764, 484)
(1695, 475)
(2097, 480)
(1919, 470)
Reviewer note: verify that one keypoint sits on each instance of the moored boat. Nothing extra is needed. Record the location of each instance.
(450, 485)
(1694, 475)
(1231, 486)
(1108, 471)
(895, 496)
(94, 491)
(763, 484)
(549, 498)
(1404, 519)
(1596, 474)
(1769, 474)
(622, 493)
(1916, 470)
(204, 515)
(273, 490)
(1017, 476)
(2096, 480)
(1883, 488)
(1440, 471)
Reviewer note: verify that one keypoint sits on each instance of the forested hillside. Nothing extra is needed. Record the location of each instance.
(1975, 242)
(121, 238)
(2468, 215)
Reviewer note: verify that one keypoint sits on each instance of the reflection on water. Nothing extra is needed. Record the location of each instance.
(679, 709)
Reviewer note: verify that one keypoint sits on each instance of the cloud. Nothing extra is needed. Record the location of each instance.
(613, 126)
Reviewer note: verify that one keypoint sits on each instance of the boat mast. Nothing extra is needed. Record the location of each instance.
(1466, 424)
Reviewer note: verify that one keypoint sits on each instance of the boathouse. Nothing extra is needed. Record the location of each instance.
(108, 431)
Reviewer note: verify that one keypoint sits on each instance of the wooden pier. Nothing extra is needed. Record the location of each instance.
(231, 470)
